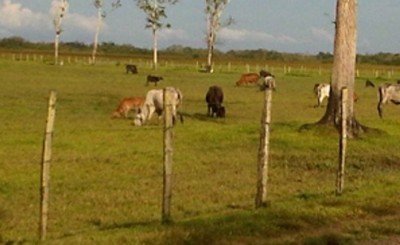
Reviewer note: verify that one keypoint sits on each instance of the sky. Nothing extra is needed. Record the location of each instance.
(295, 26)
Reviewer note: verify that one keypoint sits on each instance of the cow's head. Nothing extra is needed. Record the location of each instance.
(139, 119)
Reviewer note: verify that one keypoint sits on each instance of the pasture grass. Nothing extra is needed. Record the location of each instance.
(106, 175)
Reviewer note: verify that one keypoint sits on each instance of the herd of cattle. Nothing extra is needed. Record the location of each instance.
(144, 107)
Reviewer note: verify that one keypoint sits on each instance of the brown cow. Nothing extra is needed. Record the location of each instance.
(126, 105)
(248, 78)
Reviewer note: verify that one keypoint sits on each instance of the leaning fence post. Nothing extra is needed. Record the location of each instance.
(263, 152)
(342, 142)
(45, 166)
(168, 152)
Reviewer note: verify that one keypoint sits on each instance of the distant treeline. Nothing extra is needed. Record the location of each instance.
(110, 48)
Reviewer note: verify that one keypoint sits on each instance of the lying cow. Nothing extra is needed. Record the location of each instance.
(153, 79)
(322, 90)
(214, 99)
(126, 105)
(131, 68)
(388, 93)
(154, 103)
(248, 78)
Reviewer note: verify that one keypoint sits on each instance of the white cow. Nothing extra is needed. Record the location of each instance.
(154, 103)
(388, 93)
(321, 90)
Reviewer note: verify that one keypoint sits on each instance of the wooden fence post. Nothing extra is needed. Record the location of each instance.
(45, 166)
(263, 151)
(342, 142)
(168, 152)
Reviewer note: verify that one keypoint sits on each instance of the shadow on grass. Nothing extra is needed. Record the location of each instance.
(203, 117)
(126, 225)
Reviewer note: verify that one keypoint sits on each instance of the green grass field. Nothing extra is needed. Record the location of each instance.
(106, 175)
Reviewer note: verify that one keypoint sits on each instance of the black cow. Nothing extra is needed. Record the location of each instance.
(214, 99)
(153, 79)
(131, 68)
(264, 73)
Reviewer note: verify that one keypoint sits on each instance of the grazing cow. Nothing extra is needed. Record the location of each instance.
(153, 79)
(214, 99)
(322, 91)
(268, 82)
(248, 78)
(154, 103)
(388, 92)
(131, 68)
(369, 83)
(126, 105)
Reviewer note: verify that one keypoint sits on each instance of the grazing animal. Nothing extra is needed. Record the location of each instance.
(248, 78)
(153, 79)
(369, 83)
(214, 99)
(388, 92)
(268, 82)
(154, 103)
(322, 91)
(264, 73)
(126, 105)
(131, 68)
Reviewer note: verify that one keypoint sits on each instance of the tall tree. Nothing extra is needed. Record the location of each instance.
(59, 15)
(343, 70)
(100, 16)
(155, 11)
(214, 9)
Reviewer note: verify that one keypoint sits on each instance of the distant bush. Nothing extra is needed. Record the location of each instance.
(109, 48)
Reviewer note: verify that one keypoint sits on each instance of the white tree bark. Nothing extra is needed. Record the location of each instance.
(57, 21)
(99, 6)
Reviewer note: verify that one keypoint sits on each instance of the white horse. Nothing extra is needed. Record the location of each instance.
(154, 103)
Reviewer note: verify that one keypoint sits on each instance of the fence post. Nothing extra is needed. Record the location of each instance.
(168, 152)
(45, 166)
(342, 142)
(263, 151)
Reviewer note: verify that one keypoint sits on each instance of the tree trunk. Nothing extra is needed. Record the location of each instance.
(343, 70)
(56, 41)
(210, 51)
(155, 57)
(96, 35)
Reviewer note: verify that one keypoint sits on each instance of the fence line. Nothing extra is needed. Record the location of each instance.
(389, 72)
